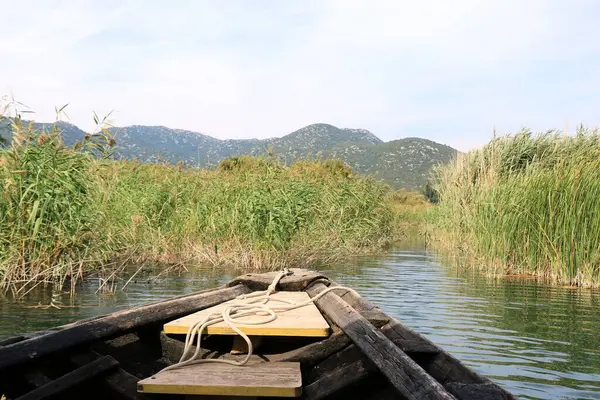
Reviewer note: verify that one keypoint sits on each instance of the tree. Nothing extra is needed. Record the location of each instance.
(431, 193)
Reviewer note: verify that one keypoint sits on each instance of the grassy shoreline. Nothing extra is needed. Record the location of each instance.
(66, 213)
(525, 205)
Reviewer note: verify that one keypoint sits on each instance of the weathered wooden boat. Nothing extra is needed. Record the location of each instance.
(365, 355)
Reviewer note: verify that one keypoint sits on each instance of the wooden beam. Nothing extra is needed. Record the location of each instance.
(342, 369)
(458, 379)
(441, 365)
(71, 379)
(113, 324)
(334, 381)
(409, 379)
(11, 340)
(119, 380)
(359, 303)
(352, 355)
(312, 353)
(475, 391)
(25, 336)
(299, 280)
(36, 378)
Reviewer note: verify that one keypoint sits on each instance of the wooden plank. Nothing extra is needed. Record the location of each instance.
(345, 368)
(200, 397)
(385, 393)
(352, 354)
(36, 378)
(357, 302)
(267, 379)
(404, 374)
(299, 280)
(11, 340)
(456, 377)
(476, 391)
(334, 381)
(312, 353)
(113, 324)
(71, 379)
(20, 338)
(119, 380)
(305, 321)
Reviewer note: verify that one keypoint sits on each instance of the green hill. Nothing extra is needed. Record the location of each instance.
(403, 163)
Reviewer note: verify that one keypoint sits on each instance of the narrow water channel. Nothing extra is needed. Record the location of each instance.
(539, 342)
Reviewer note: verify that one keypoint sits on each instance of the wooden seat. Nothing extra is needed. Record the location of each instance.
(305, 321)
(266, 379)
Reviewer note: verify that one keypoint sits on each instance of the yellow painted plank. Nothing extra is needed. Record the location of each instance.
(268, 379)
(306, 321)
(210, 397)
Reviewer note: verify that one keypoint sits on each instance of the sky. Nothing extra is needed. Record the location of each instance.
(449, 71)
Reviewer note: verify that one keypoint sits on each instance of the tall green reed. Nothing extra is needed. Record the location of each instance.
(527, 204)
(277, 210)
(67, 212)
(48, 218)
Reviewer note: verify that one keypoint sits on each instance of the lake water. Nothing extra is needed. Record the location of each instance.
(537, 341)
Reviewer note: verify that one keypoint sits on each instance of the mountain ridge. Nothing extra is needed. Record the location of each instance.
(403, 163)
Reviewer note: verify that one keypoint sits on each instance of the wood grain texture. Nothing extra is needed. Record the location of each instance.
(298, 281)
(73, 378)
(342, 369)
(267, 379)
(312, 353)
(113, 324)
(36, 378)
(201, 397)
(118, 380)
(334, 381)
(404, 374)
(476, 391)
(306, 321)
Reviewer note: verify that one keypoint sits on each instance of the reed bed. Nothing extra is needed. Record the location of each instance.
(66, 213)
(525, 204)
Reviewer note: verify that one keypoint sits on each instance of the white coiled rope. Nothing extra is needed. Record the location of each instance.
(254, 304)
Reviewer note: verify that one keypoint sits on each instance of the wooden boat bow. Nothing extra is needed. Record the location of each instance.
(368, 355)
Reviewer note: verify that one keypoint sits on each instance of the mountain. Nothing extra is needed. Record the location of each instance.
(403, 163)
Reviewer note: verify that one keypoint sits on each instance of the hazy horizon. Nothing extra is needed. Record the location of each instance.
(448, 72)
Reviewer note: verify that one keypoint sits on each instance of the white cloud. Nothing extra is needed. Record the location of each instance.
(433, 68)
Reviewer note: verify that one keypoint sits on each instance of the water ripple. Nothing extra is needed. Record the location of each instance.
(538, 342)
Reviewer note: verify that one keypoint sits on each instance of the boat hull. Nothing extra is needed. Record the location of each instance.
(368, 355)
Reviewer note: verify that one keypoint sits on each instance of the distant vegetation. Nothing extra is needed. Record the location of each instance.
(526, 204)
(403, 163)
(65, 211)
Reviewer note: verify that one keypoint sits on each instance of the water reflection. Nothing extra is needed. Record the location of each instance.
(537, 341)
